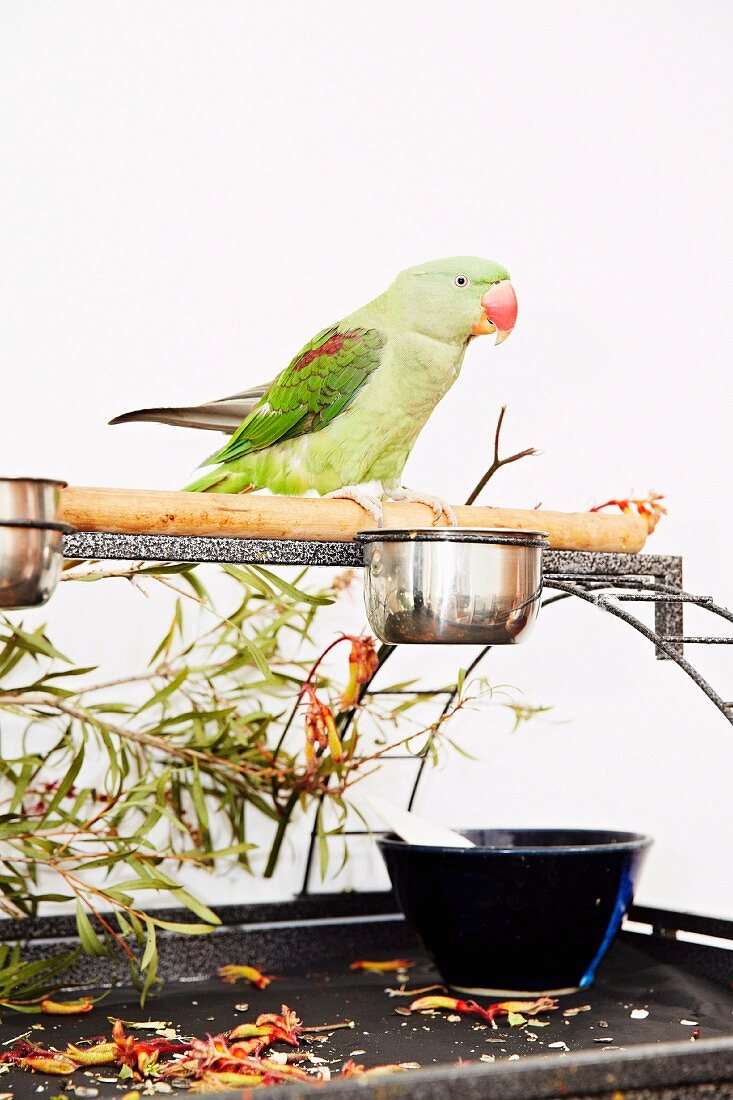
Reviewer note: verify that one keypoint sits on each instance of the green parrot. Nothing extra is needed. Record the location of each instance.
(346, 412)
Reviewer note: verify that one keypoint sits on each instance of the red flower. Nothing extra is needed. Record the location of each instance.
(320, 729)
(363, 664)
(650, 509)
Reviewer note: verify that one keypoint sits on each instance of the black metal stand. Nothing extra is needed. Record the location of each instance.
(610, 582)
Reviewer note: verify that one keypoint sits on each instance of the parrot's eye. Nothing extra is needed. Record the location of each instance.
(461, 280)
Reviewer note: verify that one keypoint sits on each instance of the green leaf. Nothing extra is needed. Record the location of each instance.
(66, 783)
(38, 644)
(87, 936)
(166, 691)
(290, 589)
(182, 926)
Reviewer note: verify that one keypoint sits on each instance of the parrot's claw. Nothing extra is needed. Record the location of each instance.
(369, 503)
(438, 507)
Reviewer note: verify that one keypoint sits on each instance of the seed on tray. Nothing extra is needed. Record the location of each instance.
(640, 1014)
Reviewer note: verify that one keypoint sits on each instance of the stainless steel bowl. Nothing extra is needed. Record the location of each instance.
(31, 556)
(31, 541)
(35, 498)
(465, 586)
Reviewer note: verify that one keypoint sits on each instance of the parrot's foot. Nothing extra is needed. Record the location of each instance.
(438, 507)
(364, 500)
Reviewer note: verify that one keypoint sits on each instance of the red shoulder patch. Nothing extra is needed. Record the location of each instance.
(330, 347)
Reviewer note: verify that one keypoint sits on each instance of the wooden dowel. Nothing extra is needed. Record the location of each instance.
(153, 512)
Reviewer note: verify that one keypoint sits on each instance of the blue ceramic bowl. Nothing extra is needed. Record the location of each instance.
(527, 911)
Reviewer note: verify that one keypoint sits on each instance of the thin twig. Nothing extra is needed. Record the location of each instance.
(498, 462)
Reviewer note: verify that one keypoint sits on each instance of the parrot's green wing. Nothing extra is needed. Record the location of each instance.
(318, 385)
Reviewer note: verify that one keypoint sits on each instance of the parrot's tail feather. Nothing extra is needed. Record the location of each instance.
(224, 415)
(221, 481)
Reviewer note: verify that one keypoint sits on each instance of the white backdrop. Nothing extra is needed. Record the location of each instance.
(189, 191)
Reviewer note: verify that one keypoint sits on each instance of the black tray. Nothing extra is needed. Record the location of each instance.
(310, 942)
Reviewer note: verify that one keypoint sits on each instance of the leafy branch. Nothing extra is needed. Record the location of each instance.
(110, 786)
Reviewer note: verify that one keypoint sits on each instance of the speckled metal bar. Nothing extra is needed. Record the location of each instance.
(660, 569)
(198, 548)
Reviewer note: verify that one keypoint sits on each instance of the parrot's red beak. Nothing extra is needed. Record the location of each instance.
(499, 304)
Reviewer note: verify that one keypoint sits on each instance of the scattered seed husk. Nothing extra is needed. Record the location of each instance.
(142, 1025)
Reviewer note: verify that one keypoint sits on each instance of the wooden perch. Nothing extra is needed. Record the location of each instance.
(152, 512)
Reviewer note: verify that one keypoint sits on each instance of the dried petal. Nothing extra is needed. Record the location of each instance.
(650, 509)
(222, 1081)
(529, 1008)
(352, 1069)
(67, 1008)
(383, 967)
(101, 1054)
(247, 1031)
(232, 973)
(423, 1004)
(48, 1062)
(471, 1008)
(285, 1070)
